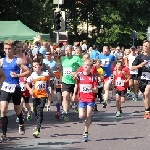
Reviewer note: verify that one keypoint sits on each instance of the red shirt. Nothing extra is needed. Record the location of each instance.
(93, 70)
(85, 82)
(127, 71)
(119, 79)
(24, 91)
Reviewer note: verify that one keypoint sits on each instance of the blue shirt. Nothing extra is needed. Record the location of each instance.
(51, 64)
(107, 60)
(10, 67)
(94, 54)
(42, 50)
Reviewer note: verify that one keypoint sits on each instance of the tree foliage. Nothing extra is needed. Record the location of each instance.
(119, 18)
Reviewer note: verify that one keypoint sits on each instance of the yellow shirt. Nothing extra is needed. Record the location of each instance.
(100, 71)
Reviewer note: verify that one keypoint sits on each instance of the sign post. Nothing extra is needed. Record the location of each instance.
(133, 36)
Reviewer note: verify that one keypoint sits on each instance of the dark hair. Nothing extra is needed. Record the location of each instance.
(146, 41)
(40, 55)
(37, 61)
(118, 61)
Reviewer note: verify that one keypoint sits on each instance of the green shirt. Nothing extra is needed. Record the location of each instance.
(70, 65)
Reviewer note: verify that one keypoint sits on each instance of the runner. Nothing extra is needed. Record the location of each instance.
(142, 63)
(39, 80)
(69, 66)
(86, 85)
(52, 64)
(11, 88)
(119, 79)
(107, 61)
(133, 82)
(57, 81)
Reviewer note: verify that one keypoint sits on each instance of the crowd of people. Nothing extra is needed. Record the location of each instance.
(79, 75)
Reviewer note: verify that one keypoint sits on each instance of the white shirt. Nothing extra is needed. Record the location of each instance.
(131, 58)
(84, 47)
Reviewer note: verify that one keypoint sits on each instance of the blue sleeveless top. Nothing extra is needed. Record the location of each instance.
(11, 67)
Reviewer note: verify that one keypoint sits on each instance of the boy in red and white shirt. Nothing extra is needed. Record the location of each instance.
(86, 85)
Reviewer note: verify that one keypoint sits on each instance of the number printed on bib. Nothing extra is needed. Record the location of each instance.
(23, 87)
(119, 83)
(40, 85)
(67, 71)
(8, 87)
(85, 88)
(145, 76)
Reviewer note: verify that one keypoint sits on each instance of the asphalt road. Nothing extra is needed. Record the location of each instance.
(129, 132)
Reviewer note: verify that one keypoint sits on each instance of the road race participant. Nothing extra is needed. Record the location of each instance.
(142, 63)
(133, 82)
(86, 85)
(57, 82)
(39, 80)
(11, 88)
(52, 64)
(106, 60)
(119, 80)
(69, 66)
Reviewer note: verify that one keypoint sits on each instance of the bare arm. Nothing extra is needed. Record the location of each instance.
(2, 76)
(25, 70)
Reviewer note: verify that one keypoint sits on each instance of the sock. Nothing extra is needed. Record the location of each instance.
(85, 132)
(21, 122)
(4, 124)
(58, 107)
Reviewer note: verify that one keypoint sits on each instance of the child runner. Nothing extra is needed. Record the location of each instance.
(58, 89)
(39, 80)
(86, 85)
(119, 78)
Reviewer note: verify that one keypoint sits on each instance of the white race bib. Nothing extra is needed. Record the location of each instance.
(8, 87)
(58, 82)
(23, 87)
(85, 88)
(119, 83)
(67, 71)
(145, 76)
(40, 85)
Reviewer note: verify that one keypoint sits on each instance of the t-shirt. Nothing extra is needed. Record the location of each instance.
(57, 76)
(131, 58)
(24, 90)
(42, 50)
(51, 64)
(94, 54)
(70, 65)
(39, 84)
(107, 60)
(85, 83)
(143, 72)
(100, 71)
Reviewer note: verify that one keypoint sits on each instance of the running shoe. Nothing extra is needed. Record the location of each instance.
(85, 137)
(17, 119)
(48, 108)
(36, 133)
(147, 115)
(104, 104)
(3, 139)
(118, 114)
(21, 129)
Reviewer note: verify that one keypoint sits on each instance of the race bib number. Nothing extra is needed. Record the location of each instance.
(85, 88)
(23, 87)
(8, 87)
(119, 83)
(145, 76)
(58, 82)
(40, 85)
(67, 71)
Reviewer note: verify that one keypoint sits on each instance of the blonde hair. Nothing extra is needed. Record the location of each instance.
(9, 42)
(89, 61)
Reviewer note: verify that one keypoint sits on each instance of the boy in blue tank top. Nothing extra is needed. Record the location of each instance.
(10, 88)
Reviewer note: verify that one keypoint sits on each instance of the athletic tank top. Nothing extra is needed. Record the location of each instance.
(10, 67)
(119, 81)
